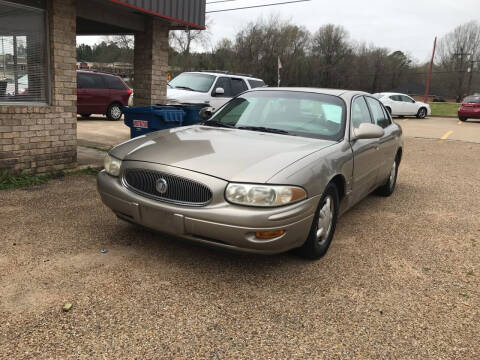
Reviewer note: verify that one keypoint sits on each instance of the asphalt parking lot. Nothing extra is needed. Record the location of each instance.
(400, 281)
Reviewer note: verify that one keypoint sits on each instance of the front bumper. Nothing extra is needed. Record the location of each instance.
(219, 224)
(472, 113)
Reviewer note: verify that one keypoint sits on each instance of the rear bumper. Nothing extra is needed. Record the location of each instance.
(469, 113)
(221, 224)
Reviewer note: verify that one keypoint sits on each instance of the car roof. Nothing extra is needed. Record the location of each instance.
(335, 92)
(224, 74)
(391, 93)
(95, 72)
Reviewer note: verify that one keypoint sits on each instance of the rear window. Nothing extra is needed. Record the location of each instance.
(256, 83)
(472, 99)
(114, 83)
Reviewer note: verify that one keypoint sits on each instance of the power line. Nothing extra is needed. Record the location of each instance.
(256, 6)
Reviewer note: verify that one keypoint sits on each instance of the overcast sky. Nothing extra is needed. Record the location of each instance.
(406, 25)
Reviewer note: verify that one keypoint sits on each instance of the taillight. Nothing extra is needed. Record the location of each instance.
(129, 91)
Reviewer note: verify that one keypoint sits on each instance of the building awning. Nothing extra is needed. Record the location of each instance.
(185, 13)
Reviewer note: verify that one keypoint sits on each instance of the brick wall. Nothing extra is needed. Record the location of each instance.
(44, 138)
(151, 63)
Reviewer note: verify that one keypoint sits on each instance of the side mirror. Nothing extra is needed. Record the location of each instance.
(219, 91)
(368, 131)
(206, 113)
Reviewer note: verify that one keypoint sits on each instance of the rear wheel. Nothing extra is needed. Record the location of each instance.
(114, 112)
(462, 118)
(323, 226)
(388, 188)
(422, 113)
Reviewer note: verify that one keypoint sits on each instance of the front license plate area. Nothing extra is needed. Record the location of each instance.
(162, 220)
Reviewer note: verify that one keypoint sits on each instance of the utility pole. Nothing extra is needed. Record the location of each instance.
(429, 77)
(460, 92)
(470, 76)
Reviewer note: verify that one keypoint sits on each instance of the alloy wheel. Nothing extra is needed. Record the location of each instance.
(325, 218)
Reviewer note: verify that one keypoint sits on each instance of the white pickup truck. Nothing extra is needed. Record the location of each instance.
(212, 88)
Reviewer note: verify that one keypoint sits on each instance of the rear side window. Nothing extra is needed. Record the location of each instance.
(256, 83)
(380, 116)
(238, 86)
(114, 83)
(360, 113)
(90, 81)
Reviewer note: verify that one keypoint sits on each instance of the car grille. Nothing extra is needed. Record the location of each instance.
(178, 189)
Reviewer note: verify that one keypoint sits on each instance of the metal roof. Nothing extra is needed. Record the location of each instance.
(185, 13)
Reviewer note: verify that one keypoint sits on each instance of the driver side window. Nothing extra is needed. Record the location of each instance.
(359, 112)
(224, 83)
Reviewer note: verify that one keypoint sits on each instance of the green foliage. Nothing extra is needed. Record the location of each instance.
(104, 53)
(24, 179)
(11, 181)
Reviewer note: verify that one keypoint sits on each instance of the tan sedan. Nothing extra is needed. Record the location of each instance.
(270, 171)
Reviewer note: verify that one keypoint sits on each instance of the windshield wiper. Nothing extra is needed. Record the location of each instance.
(264, 129)
(218, 124)
(184, 87)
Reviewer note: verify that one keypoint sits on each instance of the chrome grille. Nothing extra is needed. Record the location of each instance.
(179, 190)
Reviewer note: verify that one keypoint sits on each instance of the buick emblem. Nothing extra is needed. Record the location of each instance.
(161, 185)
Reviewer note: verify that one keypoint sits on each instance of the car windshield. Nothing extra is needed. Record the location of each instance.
(285, 112)
(472, 99)
(193, 82)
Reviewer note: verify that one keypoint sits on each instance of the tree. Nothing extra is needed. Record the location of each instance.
(331, 53)
(456, 51)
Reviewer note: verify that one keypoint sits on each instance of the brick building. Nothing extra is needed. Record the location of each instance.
(38, 112)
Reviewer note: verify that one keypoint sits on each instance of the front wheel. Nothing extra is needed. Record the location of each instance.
(422, 113)
(114, 112)
(323, 226)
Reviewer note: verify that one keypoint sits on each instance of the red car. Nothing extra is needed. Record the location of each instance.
(100, 93)
(470, 108)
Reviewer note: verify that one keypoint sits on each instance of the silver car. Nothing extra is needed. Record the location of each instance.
(270, 171)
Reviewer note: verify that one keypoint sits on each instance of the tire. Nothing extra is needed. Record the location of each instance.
(85, 116)
(462, 118)
(114, 112)
(317, 244)
(388, 188)
(422, 113)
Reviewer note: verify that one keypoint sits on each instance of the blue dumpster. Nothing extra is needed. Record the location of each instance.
(192, 115)
(145, 119)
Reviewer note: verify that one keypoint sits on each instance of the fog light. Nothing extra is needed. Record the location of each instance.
(269, 234)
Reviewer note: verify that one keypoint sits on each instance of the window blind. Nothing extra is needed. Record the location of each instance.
(23, 54)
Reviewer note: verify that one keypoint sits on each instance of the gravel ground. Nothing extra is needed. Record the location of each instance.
(401, 280)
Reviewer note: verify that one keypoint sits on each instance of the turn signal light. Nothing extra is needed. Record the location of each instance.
(269, 234)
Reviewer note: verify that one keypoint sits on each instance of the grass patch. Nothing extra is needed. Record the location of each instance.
(13, 181)
(444, 109)
(22, 180)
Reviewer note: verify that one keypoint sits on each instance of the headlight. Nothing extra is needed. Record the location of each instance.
(112, 165)
(263, 195)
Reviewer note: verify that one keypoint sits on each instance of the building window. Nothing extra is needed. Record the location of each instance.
(23, 54)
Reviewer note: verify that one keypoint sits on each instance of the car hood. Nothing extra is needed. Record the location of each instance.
(185, 96)
(229, 154)
(422, 103)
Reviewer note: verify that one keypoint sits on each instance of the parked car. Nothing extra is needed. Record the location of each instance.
(269, 172)
(403, 105)
(210, 88)
(100, 93)
(470, 108)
